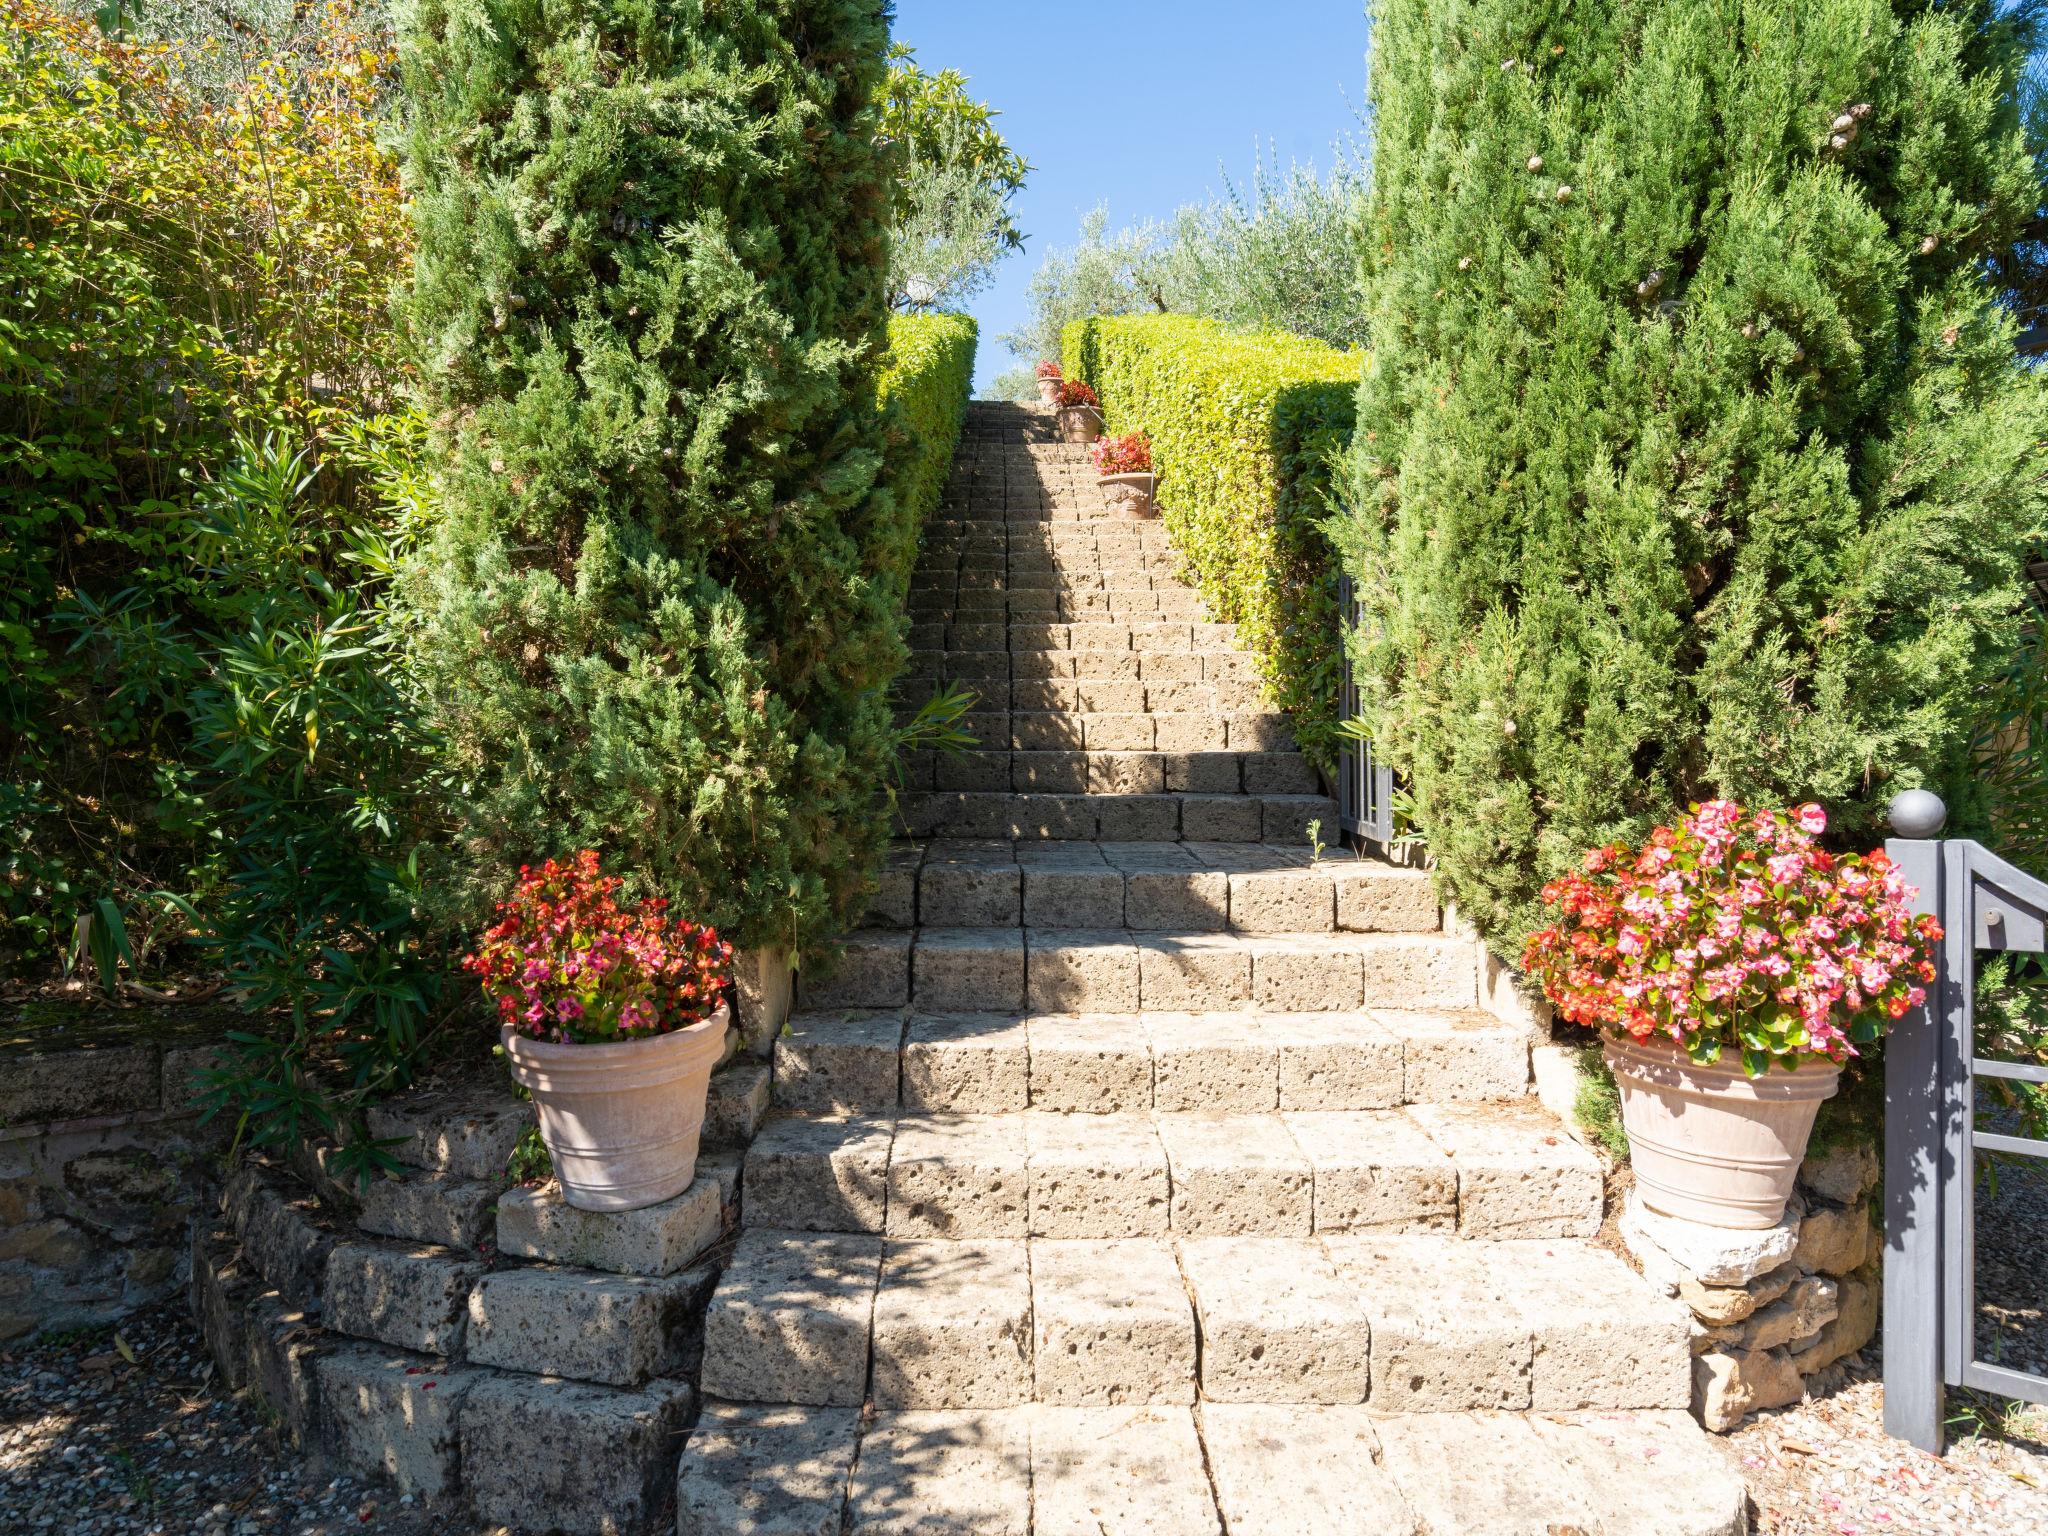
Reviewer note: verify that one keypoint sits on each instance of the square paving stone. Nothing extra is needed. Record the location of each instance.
(1112, 1322)
(1089, 1063)
(958, 1176)
(965, 1063)
(839, 1063)
(1335, 1061)
(1519, 1173)
(1444, 1337)
(661, 1239)
(1234, 1176)
(1132, 1471)
(1097, 1176)
(960, 1473)
(766, 1471)
(953, 1326)
(828, 1174)
(1486, 1472)
(564, 1456)
(1297, 1471)
(968, 970)
(1376, 1172)
(790, 1321)
(1212, 1062)
(1649, 1472)
(1279, 1324)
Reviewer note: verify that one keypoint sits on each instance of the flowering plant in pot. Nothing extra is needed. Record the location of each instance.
(613, 1017)
(1049, 380)
(1124, 467)
(1080, 412)
(1734, 967)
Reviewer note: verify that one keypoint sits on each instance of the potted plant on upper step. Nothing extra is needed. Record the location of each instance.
(1734, 966)
(1123, 466)
(613, 1017)
(1049, 380)
(1080, 413)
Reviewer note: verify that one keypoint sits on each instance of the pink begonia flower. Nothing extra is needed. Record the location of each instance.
(1811, 819)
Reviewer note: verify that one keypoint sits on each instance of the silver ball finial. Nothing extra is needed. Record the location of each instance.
(1918, 814)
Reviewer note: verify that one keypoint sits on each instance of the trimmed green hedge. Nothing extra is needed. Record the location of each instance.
(1243, 430)
(928, 376)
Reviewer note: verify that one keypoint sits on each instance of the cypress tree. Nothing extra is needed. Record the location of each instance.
(1693, 457)
(663, 607)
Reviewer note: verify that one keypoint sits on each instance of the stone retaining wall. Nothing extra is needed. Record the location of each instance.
(102, 1163)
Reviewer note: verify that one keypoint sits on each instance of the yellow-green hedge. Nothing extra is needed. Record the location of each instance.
(1243, 430)
(928, 375)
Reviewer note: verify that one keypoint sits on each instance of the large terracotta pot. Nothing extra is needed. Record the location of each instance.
(1130, 495)
(1048, 391)
(1080, 423)
(622, 1119)
(1709, 1144)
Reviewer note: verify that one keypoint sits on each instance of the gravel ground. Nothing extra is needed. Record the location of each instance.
(94, 1444)
(2012, 1267)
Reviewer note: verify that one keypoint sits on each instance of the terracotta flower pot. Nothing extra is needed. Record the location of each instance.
(1080, 423)
(1048, 391)
(1709, 1144)
(622, 1119)
(1131, 495)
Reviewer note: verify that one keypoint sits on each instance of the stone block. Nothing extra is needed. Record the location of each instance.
(412, 1297)
(1457, 1057)
(1193, 973)
(467, 1132)
(1376, 898)
(1334, 1061)
(1132, 1471)
(953, 1326)
(974, 1063)
(1291, 975)
(958, 1176)
(1237, 1176)
(614, 1329)
(1854, 1324)
(1082, 896)
(1376, 1172)
(1096, 1176)
(396, 1416)
(1279, 773)
(1176, 900)
(568, 1457)
(183, 1066)
(284, 1235)
(1119, 733)
(1284, 819)
(1602, 1337)
(764, 991)
(1647, 1472)
(1212, 1063)
(1221, 818)
(285, 1345)
(1092, 1064)
(1112, 1323)
(1843, 1174)
(663, 1239)
(1279, 1324)
(1727, 1385)
(839, 1063)
(221, 1292)
(1809, 1305)
(1836, 1240)
(790, 1321)
(1519, 1175)
(1718, 1256)
(431, 1208)
(78, 1082)
(1081, 971)
(924, 1473)
(967, 894)
(1137, 818)
(1444, 1338)
(864, 970)
(1303, 1471)
(1206, 773)
(737, 1103)
(766, 1471)
(820, 1175)
(1420, 970)
(1281, 901)
(968, 970)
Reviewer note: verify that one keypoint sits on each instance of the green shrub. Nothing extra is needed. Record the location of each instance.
(664, 607)
(1244, 428)
(1694, 458)
(927, 378)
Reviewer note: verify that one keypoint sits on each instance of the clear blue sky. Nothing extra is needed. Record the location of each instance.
(1143, 104)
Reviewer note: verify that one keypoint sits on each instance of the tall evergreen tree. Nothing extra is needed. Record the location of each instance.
(664, 607)
(1693, 457)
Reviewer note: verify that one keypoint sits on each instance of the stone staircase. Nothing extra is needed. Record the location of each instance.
(1144, 1168)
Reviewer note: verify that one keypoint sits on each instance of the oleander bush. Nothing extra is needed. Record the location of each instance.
(926, 378)
(663, 608)
(1694, 461)
(1244, 430)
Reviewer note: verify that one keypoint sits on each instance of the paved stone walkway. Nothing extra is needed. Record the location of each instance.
(1139, 1172)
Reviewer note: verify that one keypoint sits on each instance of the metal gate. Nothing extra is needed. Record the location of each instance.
(1365, 787)
(1932, 1134)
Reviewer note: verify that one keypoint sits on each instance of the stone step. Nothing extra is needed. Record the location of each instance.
(1166, 635)
(1115, 773)
(1027, 698)
(1428, 1325)
(1057, 970)
(1255, 729)
(1427, 1169)
(1078, 818)
(970, 669)
(1192, 1471)
(467, 1132)
(1151, 887)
